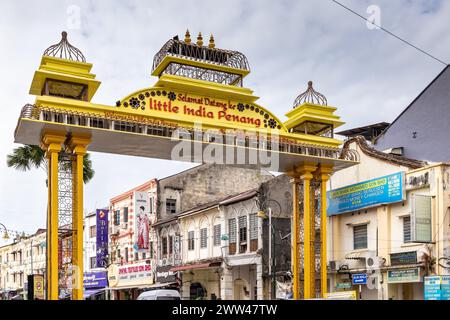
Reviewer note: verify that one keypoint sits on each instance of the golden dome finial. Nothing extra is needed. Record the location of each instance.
(187, 36)
(200, 39)
(310, 96)
(211, 42)
(64, 50)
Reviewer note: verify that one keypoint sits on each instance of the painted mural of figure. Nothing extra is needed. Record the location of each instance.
(142, 229)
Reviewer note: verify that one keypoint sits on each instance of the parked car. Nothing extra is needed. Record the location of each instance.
(161, 294)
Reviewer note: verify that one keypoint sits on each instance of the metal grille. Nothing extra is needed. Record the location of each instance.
(300, 249)
(191, 51)
(66, 194)
(203, 74)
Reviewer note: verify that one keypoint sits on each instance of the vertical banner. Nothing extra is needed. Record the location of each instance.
(102, 237)
(176, 250)
(141, 225)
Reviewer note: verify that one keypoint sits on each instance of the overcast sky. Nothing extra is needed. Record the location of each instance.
(367, 74)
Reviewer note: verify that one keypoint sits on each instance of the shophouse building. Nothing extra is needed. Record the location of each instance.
(226, 244)
(25, 256)
(130, 269)
(388, 221)
(187, 191)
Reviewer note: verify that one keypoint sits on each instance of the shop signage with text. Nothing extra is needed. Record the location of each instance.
(404, 275)
(400, 258)
(383, 190)
(164, 275)
(129, 275)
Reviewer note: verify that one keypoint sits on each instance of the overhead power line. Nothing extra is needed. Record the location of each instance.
(390, 33)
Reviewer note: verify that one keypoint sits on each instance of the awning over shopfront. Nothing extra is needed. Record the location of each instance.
(130, 287)
(197, 266)
(92, 292)
(356, 256)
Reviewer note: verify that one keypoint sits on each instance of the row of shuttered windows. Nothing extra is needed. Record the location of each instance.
(204, 237)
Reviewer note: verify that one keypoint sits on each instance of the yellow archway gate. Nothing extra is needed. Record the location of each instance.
(197, 111)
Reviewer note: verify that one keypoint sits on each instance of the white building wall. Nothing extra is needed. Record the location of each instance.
(90, 245)
(196, 222)
(246, 266)
(31, 261)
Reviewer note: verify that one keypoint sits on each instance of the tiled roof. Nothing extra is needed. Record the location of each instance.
(368, 150)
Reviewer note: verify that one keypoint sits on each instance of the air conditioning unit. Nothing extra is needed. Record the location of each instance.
(374, 262)
(334, 265)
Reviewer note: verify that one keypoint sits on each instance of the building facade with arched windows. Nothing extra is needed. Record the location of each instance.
(225, 245)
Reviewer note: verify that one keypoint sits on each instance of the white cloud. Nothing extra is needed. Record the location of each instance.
(366, 73)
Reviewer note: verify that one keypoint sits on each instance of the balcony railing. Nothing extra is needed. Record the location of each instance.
(156, 128)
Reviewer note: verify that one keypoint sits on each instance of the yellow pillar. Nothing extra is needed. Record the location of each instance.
(323, 174)
(312, 246)
(306, 175)
(78, 146)
(295, 239)
(51, 143)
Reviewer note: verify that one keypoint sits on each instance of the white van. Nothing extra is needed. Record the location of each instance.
(162, 294)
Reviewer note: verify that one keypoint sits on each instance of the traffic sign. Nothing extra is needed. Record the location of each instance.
(359, 278)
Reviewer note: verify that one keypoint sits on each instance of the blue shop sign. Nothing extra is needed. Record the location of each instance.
(445, 288)
(359, 278)
(432, 288)
(370, 193)
(95, 280)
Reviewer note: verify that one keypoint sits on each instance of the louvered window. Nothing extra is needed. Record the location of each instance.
(203, 238)
(232, 230)
(217, 232)
(407, 229)
(253, 227)
(191, 240)
(242, 229)
(360, 237)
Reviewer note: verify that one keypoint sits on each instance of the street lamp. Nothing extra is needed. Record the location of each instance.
(5, 235)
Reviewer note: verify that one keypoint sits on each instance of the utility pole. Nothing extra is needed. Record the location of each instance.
(31, 256)
(272, 256)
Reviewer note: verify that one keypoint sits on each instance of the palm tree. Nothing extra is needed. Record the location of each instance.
(28, 157)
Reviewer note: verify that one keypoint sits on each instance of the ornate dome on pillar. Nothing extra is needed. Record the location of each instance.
(64, 50)
(310, 96)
